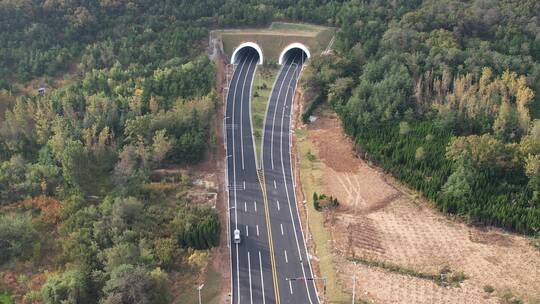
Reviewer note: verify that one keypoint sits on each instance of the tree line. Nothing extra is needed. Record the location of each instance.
(444, 95)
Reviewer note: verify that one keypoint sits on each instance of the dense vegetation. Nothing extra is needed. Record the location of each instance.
(129, 90)
(442, 93)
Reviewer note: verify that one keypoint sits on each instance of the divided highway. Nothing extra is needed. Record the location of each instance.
(265, 260)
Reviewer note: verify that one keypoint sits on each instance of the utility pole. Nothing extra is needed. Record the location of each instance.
(354, 284)
(354, 288)
(199, 289)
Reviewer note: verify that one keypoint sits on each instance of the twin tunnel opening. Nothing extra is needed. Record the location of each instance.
(294, 52)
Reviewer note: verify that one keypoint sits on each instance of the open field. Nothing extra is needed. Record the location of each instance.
(400, 243)
(262, 87)
(275, 38)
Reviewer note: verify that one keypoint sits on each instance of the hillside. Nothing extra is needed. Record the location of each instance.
(444, 95)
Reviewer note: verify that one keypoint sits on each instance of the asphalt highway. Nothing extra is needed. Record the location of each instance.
(294, 274)
(252, 279)
(263, 263)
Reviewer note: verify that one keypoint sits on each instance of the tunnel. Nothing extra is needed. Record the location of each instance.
(247, 48)
(294, 49)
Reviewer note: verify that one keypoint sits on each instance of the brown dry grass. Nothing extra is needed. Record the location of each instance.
(380, 220)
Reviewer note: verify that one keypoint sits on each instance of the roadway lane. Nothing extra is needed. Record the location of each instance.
(289, 245)
(252, 280)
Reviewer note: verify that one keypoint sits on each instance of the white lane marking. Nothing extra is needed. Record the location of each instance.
(268, 104)
(249, 269)
(245, 206)
(255, 205)
(277, 202)
(244, 185)
(234, 182)
(286, 258)
(275, 186)
(274, 118)
(257, 226)
(241, 117)
(237, 274)
(287, 192)
(262, 279)
(247, 230)
(290, 286)
(281, 225)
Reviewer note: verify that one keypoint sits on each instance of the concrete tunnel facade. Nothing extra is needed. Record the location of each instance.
(256, 47)
(291, 46)
(234, 57)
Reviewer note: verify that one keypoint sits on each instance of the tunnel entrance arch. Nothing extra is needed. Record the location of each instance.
(235, 57)
(292, 46)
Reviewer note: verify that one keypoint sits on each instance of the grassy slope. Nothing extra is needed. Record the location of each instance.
(310, 176)
(264, 75)
(275, 38)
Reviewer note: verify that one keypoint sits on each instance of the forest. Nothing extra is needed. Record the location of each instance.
(443, 94)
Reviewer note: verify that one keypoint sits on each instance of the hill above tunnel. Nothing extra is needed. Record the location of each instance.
(276, 38)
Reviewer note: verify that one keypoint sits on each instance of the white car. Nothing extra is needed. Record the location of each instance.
(237, 238)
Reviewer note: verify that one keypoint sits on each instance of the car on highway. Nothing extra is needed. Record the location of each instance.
(237, 238)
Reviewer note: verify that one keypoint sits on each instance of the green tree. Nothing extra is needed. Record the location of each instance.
(71, 287)
(135, 285)
(18, 237)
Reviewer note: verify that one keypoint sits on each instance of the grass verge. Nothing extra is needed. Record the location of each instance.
(262, 87)
(5, 298)
(310, 176)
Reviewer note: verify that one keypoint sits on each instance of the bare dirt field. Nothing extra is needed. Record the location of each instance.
(399, 241)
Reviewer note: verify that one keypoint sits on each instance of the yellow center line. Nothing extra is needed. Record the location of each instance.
(260, 174)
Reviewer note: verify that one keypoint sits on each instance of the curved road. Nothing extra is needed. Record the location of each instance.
(265, 260)
(292, 263)
(252, 280)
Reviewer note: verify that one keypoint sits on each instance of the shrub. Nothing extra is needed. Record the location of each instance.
(17, 237)
(69, 287)
(134, 284)
(196, 228)
(489, 288)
